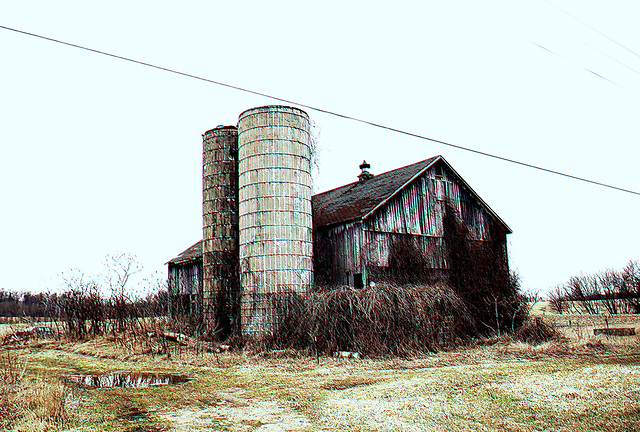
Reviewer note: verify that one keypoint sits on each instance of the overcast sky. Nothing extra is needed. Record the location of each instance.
(99, 155)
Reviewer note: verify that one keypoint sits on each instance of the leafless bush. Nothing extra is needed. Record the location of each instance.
(618, 291)
(119, 269)
(610, 282)
(586, 290)
(630, 285)
(377, 320)
(12, 369)
(537, 331)
(479, 274)
(80, 307)
(558, 298)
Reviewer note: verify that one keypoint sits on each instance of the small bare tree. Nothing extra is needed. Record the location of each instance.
(119, 269)
(610, 282)
(630, 285)
(585, 289)
(558, 298)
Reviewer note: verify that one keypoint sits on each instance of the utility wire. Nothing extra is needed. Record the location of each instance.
(332, 113)
(612, 58)
(595, 49)
(593, 28)
(586, 69)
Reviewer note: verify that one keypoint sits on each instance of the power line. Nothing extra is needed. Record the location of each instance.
(595, 49)
(584, 68)
(612, 58)
(332, 113)
(594, 29)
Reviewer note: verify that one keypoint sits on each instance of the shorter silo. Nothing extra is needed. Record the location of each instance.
(275, 238)
(221, 285)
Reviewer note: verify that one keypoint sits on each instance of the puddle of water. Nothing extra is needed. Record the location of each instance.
(127, 379)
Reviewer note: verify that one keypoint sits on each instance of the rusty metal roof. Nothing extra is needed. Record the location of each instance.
(357, 200)
(193, 253)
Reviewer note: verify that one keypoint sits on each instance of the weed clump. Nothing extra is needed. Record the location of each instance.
(479, 273)
(29, 404)
(537, 331)
(380, 320)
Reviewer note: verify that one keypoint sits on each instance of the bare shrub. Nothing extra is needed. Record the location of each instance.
(610, 282)
(378, 320)
(558, 298)
(80, 307)
(12, 370)
(479, 274)
(586, 290)
(618, 291)
(537, 331)
(630, 285)
(119, 269)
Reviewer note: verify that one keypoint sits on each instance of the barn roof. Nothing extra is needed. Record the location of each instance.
(193, 253)
(356, 201)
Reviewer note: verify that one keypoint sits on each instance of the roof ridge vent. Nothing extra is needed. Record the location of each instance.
(365, 174)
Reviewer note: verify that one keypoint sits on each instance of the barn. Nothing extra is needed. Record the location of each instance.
(387, 227)
(362, 230)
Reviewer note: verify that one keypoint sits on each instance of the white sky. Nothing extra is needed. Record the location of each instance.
(99, 155)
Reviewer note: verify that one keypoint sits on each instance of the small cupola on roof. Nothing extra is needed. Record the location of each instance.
(365, 174)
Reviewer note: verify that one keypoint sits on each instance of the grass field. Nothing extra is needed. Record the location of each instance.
(584, 383)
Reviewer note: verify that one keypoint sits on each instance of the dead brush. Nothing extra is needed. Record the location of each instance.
(28, 404)
(537, 331)
(381, 320)
(44, 401)
(12, 370)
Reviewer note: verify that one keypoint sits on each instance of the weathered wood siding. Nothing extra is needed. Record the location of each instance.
(417, 211)
(185, 287)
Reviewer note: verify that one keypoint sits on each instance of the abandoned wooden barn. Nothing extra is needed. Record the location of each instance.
(374, 229)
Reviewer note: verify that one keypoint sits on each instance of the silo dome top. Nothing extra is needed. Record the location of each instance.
(275, 108)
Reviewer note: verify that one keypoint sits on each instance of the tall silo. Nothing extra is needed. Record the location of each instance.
(221, 284)
(275, 224)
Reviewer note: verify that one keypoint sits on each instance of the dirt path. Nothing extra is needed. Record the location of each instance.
(238, 414)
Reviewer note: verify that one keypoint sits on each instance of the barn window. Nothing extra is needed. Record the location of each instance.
(439, 172)
(357, 280)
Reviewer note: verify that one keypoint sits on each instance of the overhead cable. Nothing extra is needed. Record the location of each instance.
(594, 29)
(325, 111)
(584, 68)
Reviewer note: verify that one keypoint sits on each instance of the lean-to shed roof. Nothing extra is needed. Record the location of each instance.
(193, 253)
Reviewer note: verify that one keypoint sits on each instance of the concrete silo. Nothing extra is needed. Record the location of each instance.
(275, 224)
(221, 288)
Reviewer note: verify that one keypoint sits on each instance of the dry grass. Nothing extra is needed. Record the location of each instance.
(578, 329)
(570, 384)
(29, 404)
